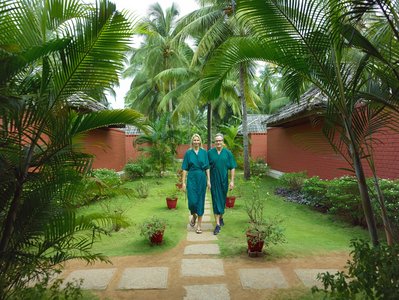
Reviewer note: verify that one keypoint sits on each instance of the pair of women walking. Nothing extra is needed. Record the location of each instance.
(207, 169)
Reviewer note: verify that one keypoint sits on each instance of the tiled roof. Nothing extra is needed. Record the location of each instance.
(130, 129)
(84, 103)
(255, 123)
(311, 101)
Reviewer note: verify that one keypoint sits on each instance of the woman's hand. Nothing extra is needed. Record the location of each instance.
(183, 187)
(208, 184)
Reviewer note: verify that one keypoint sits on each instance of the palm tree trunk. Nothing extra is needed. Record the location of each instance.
(364, 195)
(209, 124)
(247, 170)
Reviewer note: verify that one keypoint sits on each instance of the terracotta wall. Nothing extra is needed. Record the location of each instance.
(304, 148)
(108, 147)
(258, 146)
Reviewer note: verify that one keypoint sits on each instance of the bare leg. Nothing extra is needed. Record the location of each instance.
(199, 230)
(217, 219)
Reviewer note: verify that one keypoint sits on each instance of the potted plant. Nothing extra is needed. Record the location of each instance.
(260, 229)
(179, 175)
(153, 229)
(171, 198)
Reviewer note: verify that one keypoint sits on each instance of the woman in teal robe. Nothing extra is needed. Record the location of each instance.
(221, 160)
(196, 168)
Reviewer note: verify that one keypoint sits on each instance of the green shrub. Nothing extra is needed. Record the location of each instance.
(142, 189)
(108, 177)
(343, 194)
(373, 274)
(259, 168)
(134, 170)
(293, 181)
(315, 189)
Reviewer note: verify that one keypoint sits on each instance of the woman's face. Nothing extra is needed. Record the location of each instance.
(196, 142)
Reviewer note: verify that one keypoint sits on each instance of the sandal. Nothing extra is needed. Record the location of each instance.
(192, 222)
(199, 231)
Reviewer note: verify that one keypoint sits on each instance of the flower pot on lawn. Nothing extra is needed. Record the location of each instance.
(255, 243)
(230, 200)
(171, 202)
(157, 238)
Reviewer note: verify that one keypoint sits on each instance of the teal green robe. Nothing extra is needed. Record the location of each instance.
(195, 165)
(220, 164)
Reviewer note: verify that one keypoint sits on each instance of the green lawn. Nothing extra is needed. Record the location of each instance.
(307, 232)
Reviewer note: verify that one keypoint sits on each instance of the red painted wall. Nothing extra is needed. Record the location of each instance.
(304, 148)
(258, 146)
(108, 147)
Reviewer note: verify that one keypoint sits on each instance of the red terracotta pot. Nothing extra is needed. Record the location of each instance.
(254, 246)
(157, 238)
(230, 201)
(171, 203)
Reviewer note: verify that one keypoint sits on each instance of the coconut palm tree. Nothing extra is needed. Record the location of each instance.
(317, 41)
(53, 53)
(155, 64)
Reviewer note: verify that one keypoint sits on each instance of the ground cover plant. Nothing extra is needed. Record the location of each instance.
(136, 210)
(321, 232)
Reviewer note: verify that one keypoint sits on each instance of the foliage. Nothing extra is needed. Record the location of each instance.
(314, 190)
(293, 181)
(152, 226)
(55, 55)
(373, 273)
(142, 189)
(159, 144)
(134, 170)
(259, 227)
(344, 196)
(232, 139)
(116, 214)
(259, 168)
(46, 290)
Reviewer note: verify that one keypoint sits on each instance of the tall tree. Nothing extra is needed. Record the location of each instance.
(156, 61)
(310, 40)
(52, 52)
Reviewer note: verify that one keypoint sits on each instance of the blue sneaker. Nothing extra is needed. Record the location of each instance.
(221, 222)
(217, 230)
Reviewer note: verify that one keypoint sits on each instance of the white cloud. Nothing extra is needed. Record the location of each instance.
(140, 9)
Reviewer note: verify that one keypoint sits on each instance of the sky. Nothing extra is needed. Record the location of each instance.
(140, 8)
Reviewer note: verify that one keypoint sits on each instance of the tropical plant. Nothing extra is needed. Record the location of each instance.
(232, 139)
(159, 64)
(318, 41)
(52, 53)
(160, 143)
(152, 226)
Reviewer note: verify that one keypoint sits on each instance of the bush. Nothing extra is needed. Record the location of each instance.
(108, 177)
(134, 170)
(293, 181)
(142, 189)
(259, 168)
(314, 190)
(373, 274)
(344, 196)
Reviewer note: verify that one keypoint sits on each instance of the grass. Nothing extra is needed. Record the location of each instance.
(128, 241)
(307, 232)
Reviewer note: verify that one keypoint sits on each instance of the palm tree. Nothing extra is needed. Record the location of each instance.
(52, 52)
(156, 62)
(212, 24)
(310, 40)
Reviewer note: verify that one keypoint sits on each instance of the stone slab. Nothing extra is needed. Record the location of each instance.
(204, 227)
(203, 237)
(144, 278)
(262, 278)
(207, 212)
(202, 249)
(202, 267)
(308, 276)
(207, 292)
(204, 218)
(94, 279)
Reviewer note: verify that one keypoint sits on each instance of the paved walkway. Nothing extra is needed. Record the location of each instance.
(198, 274)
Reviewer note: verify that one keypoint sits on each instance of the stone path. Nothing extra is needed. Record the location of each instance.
(199, 274)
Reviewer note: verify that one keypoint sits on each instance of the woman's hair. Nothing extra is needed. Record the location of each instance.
(194, 136)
